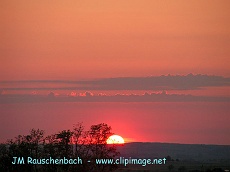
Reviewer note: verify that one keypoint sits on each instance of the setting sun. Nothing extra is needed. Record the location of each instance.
(115, 139)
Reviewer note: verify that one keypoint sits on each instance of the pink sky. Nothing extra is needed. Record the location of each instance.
(178, 122)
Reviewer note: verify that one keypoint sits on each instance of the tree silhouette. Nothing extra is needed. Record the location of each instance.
(170, 167)
(77, 143)
(182, 169)
(90, 145)
(24, 146)
(64, 143)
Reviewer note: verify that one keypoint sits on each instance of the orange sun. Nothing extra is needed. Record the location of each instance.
(115, 139)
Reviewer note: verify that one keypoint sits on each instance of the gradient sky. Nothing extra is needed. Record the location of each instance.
(92, 39)
(59, 47)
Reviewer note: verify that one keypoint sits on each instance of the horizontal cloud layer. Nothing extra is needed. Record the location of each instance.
(154, 83)
(89, 97)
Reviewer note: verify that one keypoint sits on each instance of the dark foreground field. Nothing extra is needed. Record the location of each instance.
(177, 157)
(180, 157)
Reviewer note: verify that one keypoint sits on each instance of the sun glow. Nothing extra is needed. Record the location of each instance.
(115, 139)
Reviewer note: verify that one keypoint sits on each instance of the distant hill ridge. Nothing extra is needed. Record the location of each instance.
(189, 152)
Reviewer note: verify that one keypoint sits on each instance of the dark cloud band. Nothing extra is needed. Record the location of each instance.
(154, 83)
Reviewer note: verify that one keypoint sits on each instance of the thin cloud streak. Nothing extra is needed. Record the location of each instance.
(89, 97)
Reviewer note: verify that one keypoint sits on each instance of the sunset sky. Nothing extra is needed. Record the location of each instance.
(55, 52)
(92, 39)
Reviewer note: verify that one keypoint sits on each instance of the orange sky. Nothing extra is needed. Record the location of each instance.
(90, 39)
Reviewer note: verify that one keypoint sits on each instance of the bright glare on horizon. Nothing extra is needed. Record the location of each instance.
(115, 139)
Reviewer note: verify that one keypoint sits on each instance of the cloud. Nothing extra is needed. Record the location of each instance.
(51, 94)
(178, 82)
(34, 92)
(89, 97)
(153, 83)
(2, 92)
(72, 94)
(86, 94)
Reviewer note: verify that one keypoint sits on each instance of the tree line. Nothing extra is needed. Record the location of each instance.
(71, 144)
